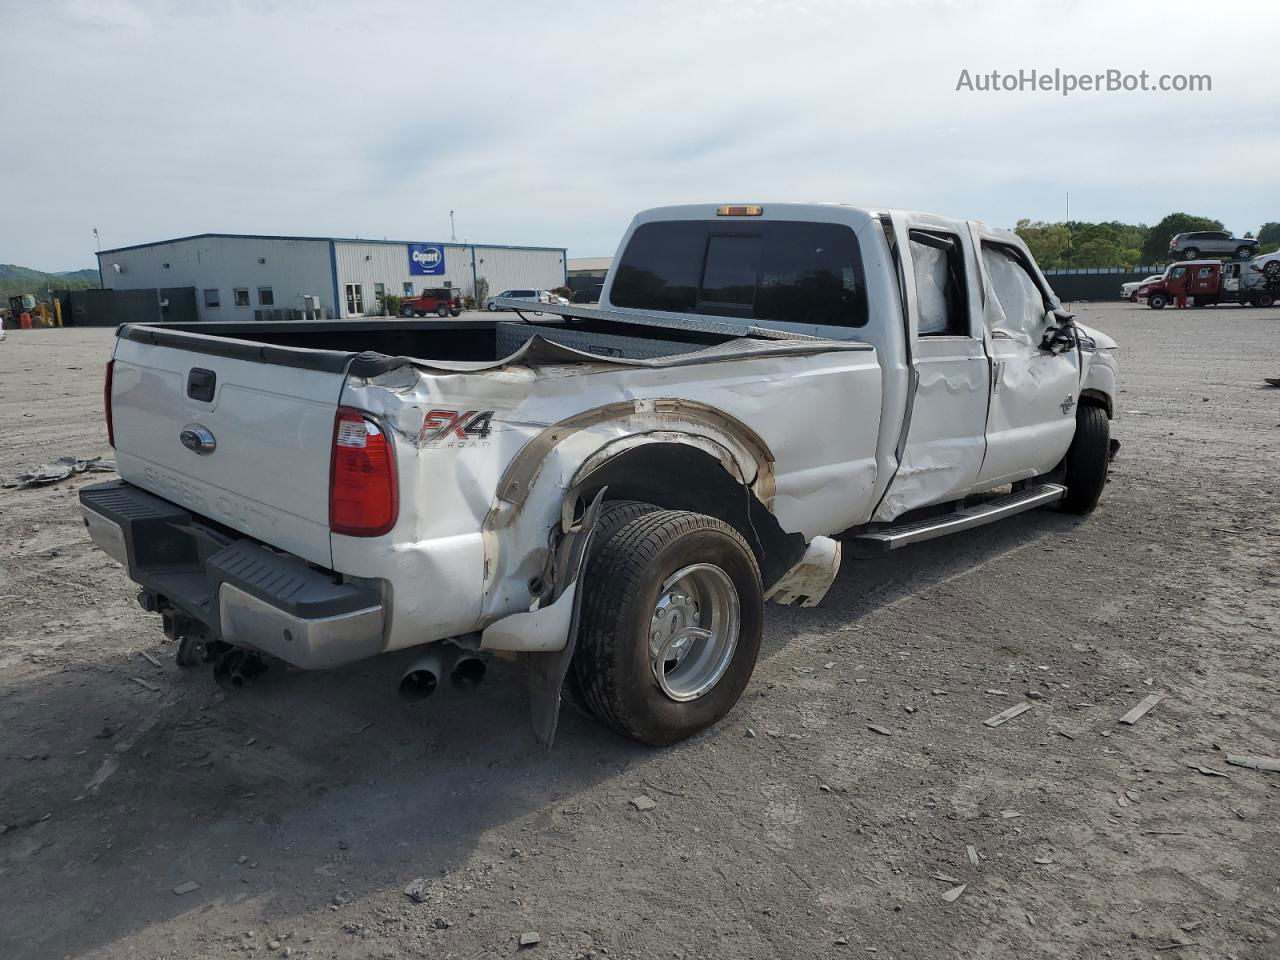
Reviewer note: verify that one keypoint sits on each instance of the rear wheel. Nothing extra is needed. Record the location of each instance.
(1244, 252)
(1272, 269)
(1264, 300)
(670, 625)
(1087, 460)
(1156, 301)
(1191, 253)
(492, 308)
(442, 310)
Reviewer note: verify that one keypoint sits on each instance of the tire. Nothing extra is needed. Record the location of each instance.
(1244, 252)
(491, 307)
(1087, 460)
(1156, 301)
(406, 311)
(1191, 253)
(455, 313)
(1264, 300)
(1133, 298)
(1272, 268)
(442, 311)
(628, 584)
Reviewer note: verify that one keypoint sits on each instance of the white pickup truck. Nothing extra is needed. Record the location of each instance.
(613, 491)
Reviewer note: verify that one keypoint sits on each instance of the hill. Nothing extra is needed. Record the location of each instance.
(15, 279)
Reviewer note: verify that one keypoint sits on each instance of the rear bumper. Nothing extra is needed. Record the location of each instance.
(235, 589)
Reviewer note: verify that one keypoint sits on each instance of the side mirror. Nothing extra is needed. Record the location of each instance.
(1060, 332)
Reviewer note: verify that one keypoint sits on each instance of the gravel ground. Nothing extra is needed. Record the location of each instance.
(303, 804)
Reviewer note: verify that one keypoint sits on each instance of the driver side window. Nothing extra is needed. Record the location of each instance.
(1016, 307)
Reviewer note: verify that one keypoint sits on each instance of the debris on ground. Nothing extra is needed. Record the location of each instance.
(1140, 711)
(530, 939)
(1006, 715)
(841, 941)
(1271, 764)
(1193, 925)
(952, 895)
(643, 803)
(883, 731)
(972, 853)
(1272, 381)
(417, 890)
(61, 469)
(145, 684)
(189, 887)
(1178, 943)
(1010, 814)
(1207, 771)
(1043, 861)
(149, 658)
(946, 878)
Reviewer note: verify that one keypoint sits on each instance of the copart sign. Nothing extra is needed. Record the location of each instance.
(426, 259)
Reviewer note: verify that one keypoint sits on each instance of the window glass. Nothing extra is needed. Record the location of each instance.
(408, 289)
(940, 300)
(780, 270)
(241, 295)
(211, 298)
(1016, 306)
(266, 297)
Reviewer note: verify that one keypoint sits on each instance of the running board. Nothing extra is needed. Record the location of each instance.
(891, 538)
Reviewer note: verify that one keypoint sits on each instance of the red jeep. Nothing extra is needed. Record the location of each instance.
(442, 301)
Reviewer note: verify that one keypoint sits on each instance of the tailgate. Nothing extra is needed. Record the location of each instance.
(267, 474)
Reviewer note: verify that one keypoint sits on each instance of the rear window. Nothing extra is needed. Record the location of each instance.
(782, 270)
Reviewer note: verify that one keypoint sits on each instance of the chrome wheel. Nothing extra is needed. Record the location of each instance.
(694, 631)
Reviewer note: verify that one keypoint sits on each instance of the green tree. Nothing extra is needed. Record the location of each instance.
(1156, 247)
(1269, 233)
(1046, 241)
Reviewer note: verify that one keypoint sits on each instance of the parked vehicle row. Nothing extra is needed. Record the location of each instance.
(1202, 283)
(544, 297)
(1194, 245)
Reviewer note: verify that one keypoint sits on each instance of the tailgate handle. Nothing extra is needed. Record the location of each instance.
(200, 384)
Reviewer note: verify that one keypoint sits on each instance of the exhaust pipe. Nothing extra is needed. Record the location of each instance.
(421, 679)
(467, 672)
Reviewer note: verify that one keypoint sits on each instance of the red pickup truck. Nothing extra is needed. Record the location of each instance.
(442, 301)
(1204, 283)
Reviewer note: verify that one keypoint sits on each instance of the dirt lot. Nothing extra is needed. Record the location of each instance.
(303, 804)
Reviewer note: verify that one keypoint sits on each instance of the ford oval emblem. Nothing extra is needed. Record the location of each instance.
(197, 438)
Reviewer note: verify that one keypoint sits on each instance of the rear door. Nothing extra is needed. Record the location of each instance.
(264, 468)
(1033, 392)
(945, 436)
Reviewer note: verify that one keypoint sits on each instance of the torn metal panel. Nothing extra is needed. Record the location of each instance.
(809, 580)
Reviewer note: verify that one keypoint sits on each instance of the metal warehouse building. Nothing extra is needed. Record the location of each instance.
(248, 277)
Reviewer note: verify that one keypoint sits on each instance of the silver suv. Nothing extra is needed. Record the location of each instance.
(1214, 243)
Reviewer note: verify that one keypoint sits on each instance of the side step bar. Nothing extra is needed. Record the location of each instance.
(891, 538)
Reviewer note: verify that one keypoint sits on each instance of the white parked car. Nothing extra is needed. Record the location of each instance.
(1129, 291)
(1268, 263)
(537, 296)
(614, 492)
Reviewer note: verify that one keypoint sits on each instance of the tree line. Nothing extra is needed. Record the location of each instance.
(1076, 243)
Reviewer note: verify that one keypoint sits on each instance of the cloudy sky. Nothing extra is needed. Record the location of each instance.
(553, 122)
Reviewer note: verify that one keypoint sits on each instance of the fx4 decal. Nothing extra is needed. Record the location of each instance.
(455, 428)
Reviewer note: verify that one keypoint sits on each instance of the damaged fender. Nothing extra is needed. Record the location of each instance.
(549, 633)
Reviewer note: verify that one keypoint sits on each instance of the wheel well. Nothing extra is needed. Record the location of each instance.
(675, 476)
(1096, 398)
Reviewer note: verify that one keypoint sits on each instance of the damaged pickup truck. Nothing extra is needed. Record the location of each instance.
(612, 491)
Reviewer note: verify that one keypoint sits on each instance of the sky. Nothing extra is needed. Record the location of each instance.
(553, 123)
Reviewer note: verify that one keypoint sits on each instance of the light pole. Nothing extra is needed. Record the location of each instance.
(453, 234)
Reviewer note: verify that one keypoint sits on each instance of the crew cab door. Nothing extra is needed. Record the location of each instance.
(944, 442)
(1034, 391)
(1203, 280)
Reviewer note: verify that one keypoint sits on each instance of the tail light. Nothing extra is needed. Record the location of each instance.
(106, 402)
(363, 494)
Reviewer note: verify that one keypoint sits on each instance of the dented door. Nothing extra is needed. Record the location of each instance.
(1034, 392)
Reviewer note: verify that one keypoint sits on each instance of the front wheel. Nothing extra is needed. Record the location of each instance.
(1087, 461)
(1191, 253)
(406, 311)
(1156, 301)
(1244, 253)
(670, 625)
(442, 311)
(1272, 269)
(492, 307)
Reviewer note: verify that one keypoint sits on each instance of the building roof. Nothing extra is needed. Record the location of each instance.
(267, 236)
(589, 263)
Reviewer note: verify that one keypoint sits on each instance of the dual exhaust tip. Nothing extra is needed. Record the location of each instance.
(421, 679)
